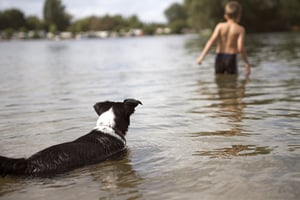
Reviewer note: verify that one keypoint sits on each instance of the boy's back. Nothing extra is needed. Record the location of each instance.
(228, 36)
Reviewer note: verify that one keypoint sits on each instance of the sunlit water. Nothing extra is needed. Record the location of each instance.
(197, 136)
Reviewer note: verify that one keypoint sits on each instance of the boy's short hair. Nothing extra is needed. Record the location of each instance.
(233, 9)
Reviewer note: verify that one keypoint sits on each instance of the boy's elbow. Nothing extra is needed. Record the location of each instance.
(240, 49)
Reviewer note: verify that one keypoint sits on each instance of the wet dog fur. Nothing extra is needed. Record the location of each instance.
(104, 141)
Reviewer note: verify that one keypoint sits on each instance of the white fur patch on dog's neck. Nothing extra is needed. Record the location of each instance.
(107, 119)
(110, 131)
(106, 124)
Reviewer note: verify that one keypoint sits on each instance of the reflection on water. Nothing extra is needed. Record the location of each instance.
(229, 103)
(231, 93)
(116, 178)
(113, 178)
(236, 150)
(197, 134)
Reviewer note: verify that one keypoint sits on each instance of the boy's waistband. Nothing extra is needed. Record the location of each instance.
(226, 54)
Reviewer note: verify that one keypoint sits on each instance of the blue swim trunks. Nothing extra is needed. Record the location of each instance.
(226, 64)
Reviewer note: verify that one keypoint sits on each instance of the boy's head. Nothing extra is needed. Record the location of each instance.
(233, 10)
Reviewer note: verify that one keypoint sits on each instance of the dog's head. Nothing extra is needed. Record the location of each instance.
(116, 114)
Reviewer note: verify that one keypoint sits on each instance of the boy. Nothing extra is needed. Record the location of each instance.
(230, 36)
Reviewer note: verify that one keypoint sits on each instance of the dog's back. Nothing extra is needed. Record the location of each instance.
(89, 149)
(106, 140)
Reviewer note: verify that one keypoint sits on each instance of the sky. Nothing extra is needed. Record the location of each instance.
(146, 10)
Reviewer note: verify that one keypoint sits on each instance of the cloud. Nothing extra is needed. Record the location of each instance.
(147, 10)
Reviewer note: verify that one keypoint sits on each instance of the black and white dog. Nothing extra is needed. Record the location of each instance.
(104, 141)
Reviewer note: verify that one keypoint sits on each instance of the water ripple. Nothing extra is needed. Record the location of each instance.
(197, 134)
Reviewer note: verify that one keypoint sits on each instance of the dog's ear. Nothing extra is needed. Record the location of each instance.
(130, 104)
(101, 107)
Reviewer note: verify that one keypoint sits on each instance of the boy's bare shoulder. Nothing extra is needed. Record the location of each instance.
(225, 26)
(220, 24)
(241, 28)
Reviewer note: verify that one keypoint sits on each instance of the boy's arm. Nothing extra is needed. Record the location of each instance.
(209, 44)
(242, 51)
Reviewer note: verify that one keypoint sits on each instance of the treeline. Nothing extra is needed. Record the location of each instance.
(116, 23)
(14, 19)
(56, 19)
(190, 16)
(257, 15)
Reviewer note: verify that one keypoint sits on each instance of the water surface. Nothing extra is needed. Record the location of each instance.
(197, 136)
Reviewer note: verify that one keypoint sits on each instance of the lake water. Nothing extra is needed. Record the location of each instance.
(197, 136)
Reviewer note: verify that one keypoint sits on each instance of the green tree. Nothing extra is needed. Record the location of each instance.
(175, 12)
(55, 15)
(34, 23)
(107, 23)
(257, 15)
(177, 18)
(12, 19)
(81, 25)
(178, 26)
(262, 16)
(94, 23)
(289, 13)
(134, 22)
(149, 29)
(205, 13)
(118, 22)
